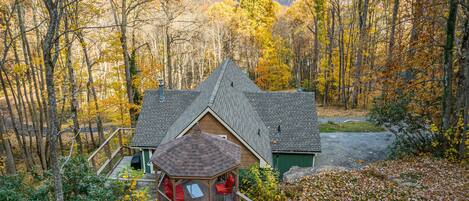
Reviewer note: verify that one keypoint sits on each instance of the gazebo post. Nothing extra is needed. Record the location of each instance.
(157, 181)
(209, 184)
(236, 172)
(173, 181)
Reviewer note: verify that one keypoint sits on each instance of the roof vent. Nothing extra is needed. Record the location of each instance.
(259, 132)
(161, 90)
(232, 85)
(278, 129)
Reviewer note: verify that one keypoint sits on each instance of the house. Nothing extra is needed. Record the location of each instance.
(276, 129)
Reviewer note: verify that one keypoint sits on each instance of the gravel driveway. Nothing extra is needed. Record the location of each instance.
(353, 150)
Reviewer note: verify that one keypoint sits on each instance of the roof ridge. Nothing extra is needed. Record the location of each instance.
(217, 85)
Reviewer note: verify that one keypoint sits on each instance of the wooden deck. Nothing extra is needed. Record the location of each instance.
(125, 162)
(114, 155)
(105, 159)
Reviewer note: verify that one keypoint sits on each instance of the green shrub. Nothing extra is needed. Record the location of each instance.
(80, 182)
(13, 188)
(260, 184)
(412, 131)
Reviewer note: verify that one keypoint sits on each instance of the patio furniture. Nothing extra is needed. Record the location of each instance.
(227, 187)
(168, 190)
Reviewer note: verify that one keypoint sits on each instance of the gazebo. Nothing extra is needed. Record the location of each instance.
(197, 166)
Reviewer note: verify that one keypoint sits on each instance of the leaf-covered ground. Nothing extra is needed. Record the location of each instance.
(421, 178)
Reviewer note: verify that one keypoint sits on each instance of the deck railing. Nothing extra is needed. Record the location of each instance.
(242, 196)
(111, 151)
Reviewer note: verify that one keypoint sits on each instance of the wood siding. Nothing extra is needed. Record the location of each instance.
(211, 125)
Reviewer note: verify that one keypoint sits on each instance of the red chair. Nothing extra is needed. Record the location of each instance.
(168, 190)
(227, 187)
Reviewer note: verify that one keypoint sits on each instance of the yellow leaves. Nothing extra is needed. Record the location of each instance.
(2, 164)
(20, 69)
(434, 128)
(222, 11)
(131, 190)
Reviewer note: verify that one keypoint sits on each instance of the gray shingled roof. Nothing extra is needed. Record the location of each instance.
(295, 113)
(156, 117)
(197, 155)
(252, 114)
(230, 104)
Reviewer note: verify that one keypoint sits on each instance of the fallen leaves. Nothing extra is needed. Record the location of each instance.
(417, 178)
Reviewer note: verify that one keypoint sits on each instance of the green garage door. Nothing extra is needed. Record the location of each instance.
(283, 162)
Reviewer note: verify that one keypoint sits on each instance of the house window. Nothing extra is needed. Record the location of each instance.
(223, 136)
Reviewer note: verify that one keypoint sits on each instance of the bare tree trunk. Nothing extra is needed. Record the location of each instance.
(19, 111)
(90, 127)
(330, 65)
(73, 89)
(23, 98)
(32, 74)
(29, 166)
(363, 12)
(51, 43)
(169, 66)
(10, 160)
(99, 123)
(125, 52)
(389, 59)
(448, 66)
(314, 70)
(341, 57)
(465, 90)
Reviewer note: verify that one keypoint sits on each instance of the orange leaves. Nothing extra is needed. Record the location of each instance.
(272, 73)
(421, 178)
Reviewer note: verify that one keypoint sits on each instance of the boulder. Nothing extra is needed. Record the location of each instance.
(296, 173)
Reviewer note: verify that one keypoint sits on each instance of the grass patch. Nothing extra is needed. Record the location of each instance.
(362, 126)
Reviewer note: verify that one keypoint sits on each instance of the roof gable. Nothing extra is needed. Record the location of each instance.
(222, 92)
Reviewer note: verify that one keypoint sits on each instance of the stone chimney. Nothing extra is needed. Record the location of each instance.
(161, 90)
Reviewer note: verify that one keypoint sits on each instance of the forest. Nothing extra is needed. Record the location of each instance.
(71, 70)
